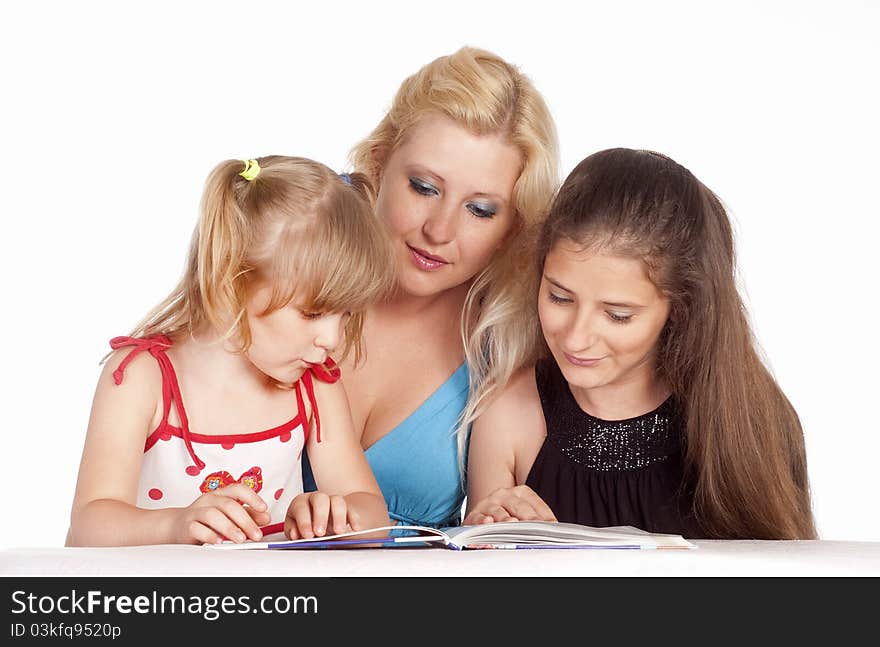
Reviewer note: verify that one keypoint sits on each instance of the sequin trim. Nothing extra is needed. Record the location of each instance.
(620, 445)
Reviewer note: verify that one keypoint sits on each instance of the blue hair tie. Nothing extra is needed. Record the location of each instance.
(345, 178)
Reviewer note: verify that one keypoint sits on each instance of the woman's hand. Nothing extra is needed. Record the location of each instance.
(234, 512)
(312, 514)
(519, 503)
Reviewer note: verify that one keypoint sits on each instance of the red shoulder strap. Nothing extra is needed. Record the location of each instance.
(329, 373)
(156, 345)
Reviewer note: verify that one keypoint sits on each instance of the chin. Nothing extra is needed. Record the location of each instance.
(581, 377)
(421, 284)
(286, 377)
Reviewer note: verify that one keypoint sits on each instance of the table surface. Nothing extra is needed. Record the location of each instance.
(710, 558)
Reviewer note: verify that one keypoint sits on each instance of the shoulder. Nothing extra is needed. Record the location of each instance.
(330, 400)
(520, 393)
(141, 373)
(132, 390)
(516, 410)
(328, 392)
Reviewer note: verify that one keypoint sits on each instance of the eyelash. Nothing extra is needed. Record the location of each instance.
(480, 211)
(311, 316)
(619, 319)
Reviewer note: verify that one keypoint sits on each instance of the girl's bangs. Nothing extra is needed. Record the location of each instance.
(329, 271)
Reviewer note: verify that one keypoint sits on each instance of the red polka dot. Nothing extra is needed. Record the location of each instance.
(285, 436)
(155, 494)
(279, 493)
(227, 445)
(192, 470)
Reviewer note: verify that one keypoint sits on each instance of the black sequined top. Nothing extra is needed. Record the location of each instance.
(610, 473)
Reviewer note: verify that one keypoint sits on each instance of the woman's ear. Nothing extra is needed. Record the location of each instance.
(378, 157)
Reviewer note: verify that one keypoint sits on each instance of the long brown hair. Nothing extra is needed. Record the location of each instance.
(298, 226)
(744, 455)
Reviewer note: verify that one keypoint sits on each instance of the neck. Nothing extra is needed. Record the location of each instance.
(634, 394)
(217, 359)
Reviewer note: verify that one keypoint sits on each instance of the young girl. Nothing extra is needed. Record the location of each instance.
(654, 408)
(201, 415)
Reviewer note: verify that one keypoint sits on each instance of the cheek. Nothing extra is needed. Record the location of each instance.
(397, 211)
(635, 340)
(552, 321)
(478, 244)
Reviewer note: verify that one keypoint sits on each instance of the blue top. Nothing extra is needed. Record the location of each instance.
(416, 463)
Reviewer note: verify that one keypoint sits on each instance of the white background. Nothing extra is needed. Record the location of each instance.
(113, 115)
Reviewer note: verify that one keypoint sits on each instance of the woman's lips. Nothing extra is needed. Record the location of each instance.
(583, 361)
(425, 260)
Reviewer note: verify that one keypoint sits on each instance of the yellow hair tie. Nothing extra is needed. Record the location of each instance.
(251, 170)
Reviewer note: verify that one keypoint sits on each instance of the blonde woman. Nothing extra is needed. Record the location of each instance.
(463, 163)
(201, 414)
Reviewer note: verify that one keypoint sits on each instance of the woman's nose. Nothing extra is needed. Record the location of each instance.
(439, 227)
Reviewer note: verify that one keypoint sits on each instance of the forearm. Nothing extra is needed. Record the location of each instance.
(108, 522)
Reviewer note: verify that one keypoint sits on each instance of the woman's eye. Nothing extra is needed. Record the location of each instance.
(422, 188)
(555, 298)
(306, 314)
(481, 210)
(619, 318)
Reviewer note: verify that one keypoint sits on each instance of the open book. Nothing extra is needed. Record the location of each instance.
(505, 535)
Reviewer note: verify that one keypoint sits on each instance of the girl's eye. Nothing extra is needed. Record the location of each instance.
(421, 187)
(555, 298)
(619, 318)
(311, 315)
(481, 210)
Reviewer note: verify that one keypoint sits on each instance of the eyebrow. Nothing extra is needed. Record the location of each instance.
(557, 284)
(613, 304)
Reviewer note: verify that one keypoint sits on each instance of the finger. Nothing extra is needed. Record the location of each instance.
(542, 510)
(301, 512)
(320, 504)
(354, 519)
(499, 514)
(477, 516)
(243, 494)
(202, 534)
(523, 510)
(238, 514)
(290, 528)
(217, 521)
(260, 518)
(338, 514)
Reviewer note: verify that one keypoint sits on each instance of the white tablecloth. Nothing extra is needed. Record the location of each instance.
(711, 558)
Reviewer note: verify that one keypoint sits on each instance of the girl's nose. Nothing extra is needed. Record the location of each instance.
(581, 334)
(331, 329)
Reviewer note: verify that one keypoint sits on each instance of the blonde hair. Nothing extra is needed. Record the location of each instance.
(297, 227)
(485, 95)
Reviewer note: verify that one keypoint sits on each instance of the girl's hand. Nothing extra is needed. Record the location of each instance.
(312, 514)
(234, 512)
(519, 503)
